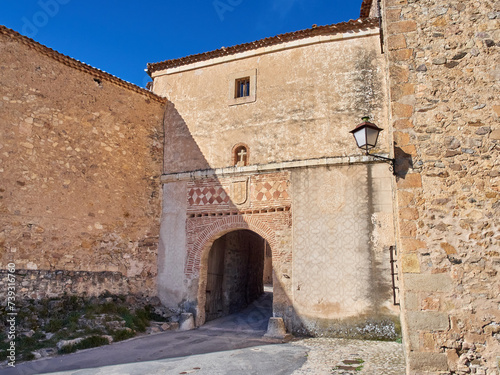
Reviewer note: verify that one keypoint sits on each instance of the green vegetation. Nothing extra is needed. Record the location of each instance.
(42, 324)
(87, 343)
(122, 334)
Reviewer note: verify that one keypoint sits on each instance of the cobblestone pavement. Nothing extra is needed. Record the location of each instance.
(328, 356)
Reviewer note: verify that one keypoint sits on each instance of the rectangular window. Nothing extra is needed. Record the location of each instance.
(242, 88)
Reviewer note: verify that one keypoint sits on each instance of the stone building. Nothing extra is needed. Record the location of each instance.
(80, 162)
(242, 157)
(257, 143)
(443, 68)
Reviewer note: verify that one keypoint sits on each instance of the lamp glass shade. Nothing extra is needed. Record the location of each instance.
(360, 137)
(371, 136)
(366, 135)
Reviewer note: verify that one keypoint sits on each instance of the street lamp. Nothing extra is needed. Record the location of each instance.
(366, 136)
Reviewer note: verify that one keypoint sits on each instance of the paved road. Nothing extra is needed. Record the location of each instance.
(230, 345)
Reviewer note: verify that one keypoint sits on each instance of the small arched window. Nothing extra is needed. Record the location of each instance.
(241, 155)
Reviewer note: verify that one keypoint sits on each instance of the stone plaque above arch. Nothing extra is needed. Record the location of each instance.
(239, 190)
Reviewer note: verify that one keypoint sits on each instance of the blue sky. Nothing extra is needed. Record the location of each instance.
(121, 37)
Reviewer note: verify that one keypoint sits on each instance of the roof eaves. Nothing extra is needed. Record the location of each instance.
(76, 64)
(351, 25)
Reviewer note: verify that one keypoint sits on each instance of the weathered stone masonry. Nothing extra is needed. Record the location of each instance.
(81, 154)
(326, 216)
(444, 70)
(80, 159)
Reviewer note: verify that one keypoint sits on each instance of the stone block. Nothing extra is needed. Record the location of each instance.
(495, 134)
(401, 139)
(412, 339)
(452, 357)
(411, 301)
(430, 304)
(401, 54)
(428, 342)
(474, 338)
(410, 263)
(439, 282)
(402, 110)
(410, 150)
(440, 22)
(449, 249)
(393, 15)
(408, 213)
(402, 90)
(403, 124)
(398, 74)
(411, 245)
(276, 328)
(395, 42)
(186, 322)
(405, 198)
(427, 321)
(407, 228)
(173, 326)
(412, 180)
(402, 27)
(428, 361)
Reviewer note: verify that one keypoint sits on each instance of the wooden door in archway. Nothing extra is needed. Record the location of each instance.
(214, 303)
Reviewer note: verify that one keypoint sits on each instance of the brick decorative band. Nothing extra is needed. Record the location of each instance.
(204, 230)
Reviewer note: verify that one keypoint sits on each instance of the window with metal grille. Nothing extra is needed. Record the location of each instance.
(242, 87)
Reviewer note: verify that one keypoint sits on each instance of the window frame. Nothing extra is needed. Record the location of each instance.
(234, 79)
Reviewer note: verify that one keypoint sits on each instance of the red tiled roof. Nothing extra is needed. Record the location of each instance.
(351, 25)
(73, 63)
(365, 9)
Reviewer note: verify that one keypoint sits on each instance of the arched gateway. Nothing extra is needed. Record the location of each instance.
(277, 159)
(232, 259)
(199, 216)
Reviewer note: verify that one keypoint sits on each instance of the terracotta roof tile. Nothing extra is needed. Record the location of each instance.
(351, 25)
(76, 64)
(365, 9)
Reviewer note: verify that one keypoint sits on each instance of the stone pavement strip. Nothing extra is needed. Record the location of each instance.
(314, 356)
(331, 356)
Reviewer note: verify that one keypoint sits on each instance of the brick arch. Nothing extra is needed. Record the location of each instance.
(203, 242)
(197, 257)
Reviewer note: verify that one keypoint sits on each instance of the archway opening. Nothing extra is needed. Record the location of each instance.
(239, 272)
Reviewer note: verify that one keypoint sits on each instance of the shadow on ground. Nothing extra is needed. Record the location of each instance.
(237, 331)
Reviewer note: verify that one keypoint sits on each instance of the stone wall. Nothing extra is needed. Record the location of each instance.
(444, 70)
(80, 159)
(309, 94)
(42, 284)
(342, 234)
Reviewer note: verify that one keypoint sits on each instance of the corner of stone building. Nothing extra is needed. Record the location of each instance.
(447, 194)
(78, 193)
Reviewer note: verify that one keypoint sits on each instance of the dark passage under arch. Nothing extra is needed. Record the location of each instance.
(239, 263)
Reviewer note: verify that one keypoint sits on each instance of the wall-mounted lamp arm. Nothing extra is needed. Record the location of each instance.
(392, 162)
(366, 136)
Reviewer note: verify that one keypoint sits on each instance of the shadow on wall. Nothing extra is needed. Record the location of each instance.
(404, 162)
(181, 152)
(197, 212)
(191, 209)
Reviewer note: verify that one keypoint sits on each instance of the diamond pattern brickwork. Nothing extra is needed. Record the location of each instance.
(201, 196)
(270, 190)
